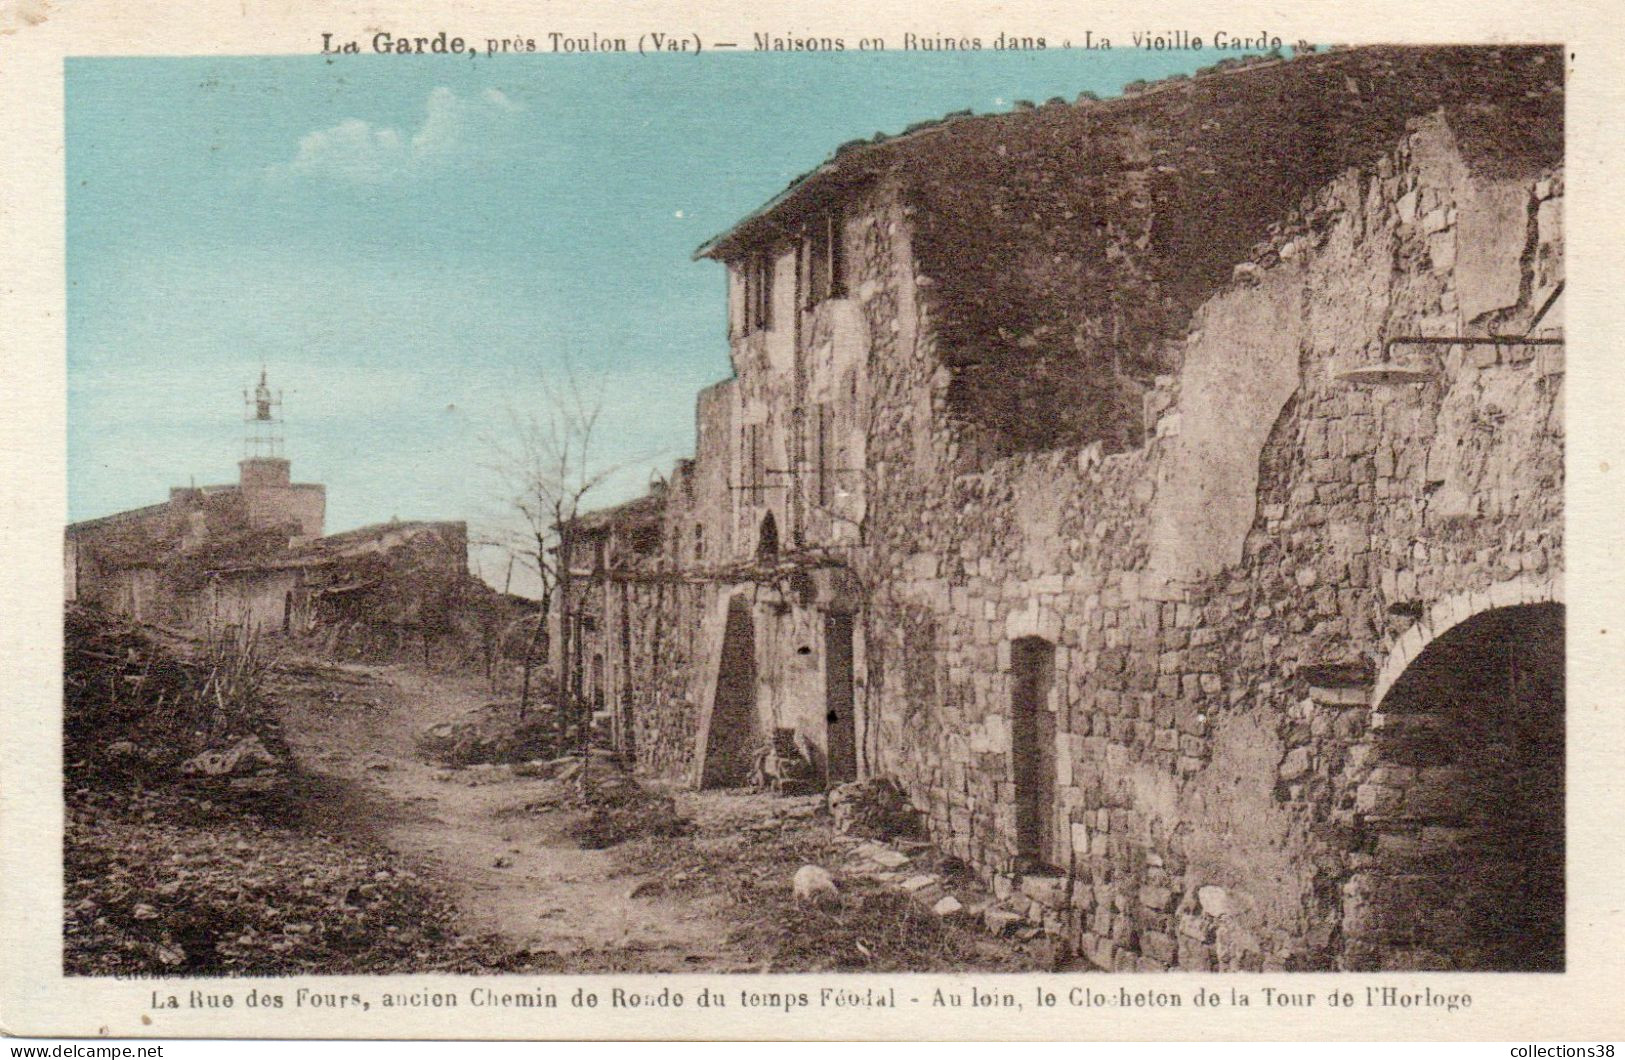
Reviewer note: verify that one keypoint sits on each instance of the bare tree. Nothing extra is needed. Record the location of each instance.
(548, 468)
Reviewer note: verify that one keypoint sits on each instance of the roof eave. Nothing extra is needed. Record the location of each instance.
(815, 181)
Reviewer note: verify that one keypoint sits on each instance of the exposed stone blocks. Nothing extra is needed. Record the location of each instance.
(1150, 669)
(1214, 808)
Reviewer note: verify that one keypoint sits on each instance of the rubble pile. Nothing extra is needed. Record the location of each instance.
(874, 809)
(237, 894)
(492, 734)
(618, 809)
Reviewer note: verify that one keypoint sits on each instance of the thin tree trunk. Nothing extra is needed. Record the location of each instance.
(530, 657)
(567, 634)
(583, 713)
(562, 677)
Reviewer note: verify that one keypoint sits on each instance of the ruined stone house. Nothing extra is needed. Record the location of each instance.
(153, 563)
(1166, 492)
(251, 554)
(608, 545)
(377, 589)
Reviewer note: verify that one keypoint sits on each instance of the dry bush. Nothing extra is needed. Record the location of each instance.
(135, 702)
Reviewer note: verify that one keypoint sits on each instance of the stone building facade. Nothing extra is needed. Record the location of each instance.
(1167, 494)
(378, 587)
(252, 555)
(150, 563)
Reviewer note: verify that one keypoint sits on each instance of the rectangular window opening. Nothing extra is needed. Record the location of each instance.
(823, 262)
(758, 274)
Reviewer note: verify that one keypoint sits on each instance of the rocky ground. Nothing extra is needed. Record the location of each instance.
(340, 842)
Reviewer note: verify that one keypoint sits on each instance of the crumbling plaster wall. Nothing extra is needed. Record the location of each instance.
(812, 361)
(1276, 519)
(763, 390)
(255, 600)
(677, 631)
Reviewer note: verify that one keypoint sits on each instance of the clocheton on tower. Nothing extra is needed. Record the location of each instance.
(265, 481)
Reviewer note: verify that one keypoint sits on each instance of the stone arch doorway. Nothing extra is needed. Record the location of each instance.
(1463, 813)
(1032, 751)
(730, 737)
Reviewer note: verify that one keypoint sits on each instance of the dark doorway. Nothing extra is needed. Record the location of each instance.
(1032, 751)
(841, 727)
(625, 736)
(767, 542)
(287, 612)
(731, 736)
(1464, 815)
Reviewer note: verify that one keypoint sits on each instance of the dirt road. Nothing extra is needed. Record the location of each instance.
(486, 834)
(367, 859)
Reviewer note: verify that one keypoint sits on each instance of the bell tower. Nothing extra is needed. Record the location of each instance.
(269, 495)
(263, 463)
(263, 412)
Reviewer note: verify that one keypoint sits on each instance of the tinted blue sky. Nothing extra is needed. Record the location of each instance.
(411, 245)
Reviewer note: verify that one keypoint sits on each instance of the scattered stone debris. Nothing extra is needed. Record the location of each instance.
(548, 769)
(1001, 922)
(238, 892)
(139, 703)
(618, 808)
(867, 925)
(175, 862)
(1024, 910)
(247, 755)
(492, 734)
(874, 809)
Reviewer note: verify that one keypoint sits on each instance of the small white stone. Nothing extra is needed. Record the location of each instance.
(1215, 901)
(813, 884)
(891, 859)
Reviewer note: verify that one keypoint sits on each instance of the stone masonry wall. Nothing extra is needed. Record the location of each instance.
(1216, 619)
(1226, 604)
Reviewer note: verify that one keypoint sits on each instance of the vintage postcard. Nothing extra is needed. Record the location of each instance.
(1027, 525)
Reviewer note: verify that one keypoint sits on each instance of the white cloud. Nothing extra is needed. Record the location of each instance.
(441, 133)
(496, 97)
(352, 150)
(453, 130)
